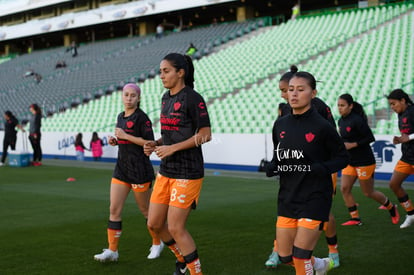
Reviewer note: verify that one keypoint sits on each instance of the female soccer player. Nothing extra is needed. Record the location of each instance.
(325, 112)
(133, 170)
(357, 136)
(307, 150)
(35, 134)
(401, 104)
(185, 126)
(10, 134)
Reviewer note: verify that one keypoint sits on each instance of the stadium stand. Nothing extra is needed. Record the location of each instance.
(361, 51)
(100, 67)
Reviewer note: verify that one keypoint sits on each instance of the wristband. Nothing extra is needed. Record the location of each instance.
(411, 136)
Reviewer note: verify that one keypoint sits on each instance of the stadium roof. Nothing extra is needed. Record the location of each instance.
(110, 13)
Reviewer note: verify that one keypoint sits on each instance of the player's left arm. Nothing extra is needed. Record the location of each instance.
(339, 155)
(365, 134)
(197, 110)
(202, 136)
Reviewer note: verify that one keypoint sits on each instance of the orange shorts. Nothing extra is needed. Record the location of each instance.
(181, 193)
(135, 187)
(362, 172)
(404, 167)
(284, 222)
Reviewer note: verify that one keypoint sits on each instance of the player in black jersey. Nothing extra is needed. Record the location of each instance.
(357, 136)
(401, 104)
(10, 134)
(317, 103)
(307, 150)
(133, 171)
(185, 125)
(325, 112)
(35, 134)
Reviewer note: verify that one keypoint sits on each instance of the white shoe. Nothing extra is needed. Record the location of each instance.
(155, 251)
(107, 256)
(1, 164)
(273, 260)
(329, 264)
(409, 220)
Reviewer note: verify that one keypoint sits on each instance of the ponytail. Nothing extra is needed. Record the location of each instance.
(288, 75)
(189, 74)
(179, 61)
(357, 108)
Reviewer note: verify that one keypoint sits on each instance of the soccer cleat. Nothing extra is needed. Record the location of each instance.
(335, 258)
(155, 251)
(180, 268)
(107, 256)
(273, 260)
(396, 218)
(354, 221)
(1, 164)
(329, 264)
(382, 207)
(409, 220)
(36, 163)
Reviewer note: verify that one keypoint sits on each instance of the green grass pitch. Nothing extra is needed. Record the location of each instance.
(50, 226)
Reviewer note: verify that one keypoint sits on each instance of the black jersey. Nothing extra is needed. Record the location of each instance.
(132, 165)
(35, 124)
(182, 115)
(318, 105)
(353, 128)
(406, 126)
(10, 127)
(307, 151)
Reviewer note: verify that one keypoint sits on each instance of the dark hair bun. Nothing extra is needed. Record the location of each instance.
(293, 69)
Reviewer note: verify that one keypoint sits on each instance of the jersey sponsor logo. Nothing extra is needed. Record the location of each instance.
(177, 106)
(130, 124)
(309, 137)
(348, 129)
(170, 128)
(282, 134)
(124, 142)
(170, 121)
(405, 131)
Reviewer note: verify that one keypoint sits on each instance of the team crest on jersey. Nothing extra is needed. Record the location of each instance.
(130, 124)
(201, 105)
(148, 123)
(309, 137)
(404, 120)
(348, 129)
(282, 134)
(177, 106)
